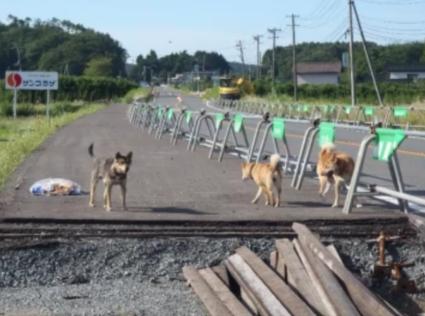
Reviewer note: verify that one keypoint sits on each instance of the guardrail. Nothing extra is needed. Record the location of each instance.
(409, 118)
(386, 143)
(226, 132)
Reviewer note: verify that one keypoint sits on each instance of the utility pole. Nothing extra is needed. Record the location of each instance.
(274, 31)
(239, 45)
(257, 39)
(369, 64)
(352, 78)
(294, 55)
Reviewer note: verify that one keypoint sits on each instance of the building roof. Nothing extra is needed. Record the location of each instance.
(319, 68)
(406, 68)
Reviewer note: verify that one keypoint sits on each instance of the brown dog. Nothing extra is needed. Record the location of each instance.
(267, 176)
(113, 171)
(333, 167)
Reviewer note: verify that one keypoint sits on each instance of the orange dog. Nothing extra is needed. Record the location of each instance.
(333, 167)
(267, 176)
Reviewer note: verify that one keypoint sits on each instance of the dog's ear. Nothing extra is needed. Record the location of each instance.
(129, 156)
(118, 155)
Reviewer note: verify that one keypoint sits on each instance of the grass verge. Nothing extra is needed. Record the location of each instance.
(140, 93)
(18, 138)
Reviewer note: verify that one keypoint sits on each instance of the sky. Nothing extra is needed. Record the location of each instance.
(171, 26)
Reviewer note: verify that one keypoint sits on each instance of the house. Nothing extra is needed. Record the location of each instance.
(406, 72)
(318, 73)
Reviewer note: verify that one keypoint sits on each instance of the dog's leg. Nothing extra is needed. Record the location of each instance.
(123, 195)
(278, 186)
(257, 196)
(93, 184)
(107, 196)
(269, 196)
(338, 182)
(322, 182)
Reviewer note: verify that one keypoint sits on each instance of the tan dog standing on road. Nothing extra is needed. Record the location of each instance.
(267, 176)
(113, 171)
(333, 167)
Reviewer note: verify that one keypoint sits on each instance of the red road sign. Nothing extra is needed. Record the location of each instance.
(14, 80)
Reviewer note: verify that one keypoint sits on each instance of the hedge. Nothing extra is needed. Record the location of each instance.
(391, 93)
(76, 88)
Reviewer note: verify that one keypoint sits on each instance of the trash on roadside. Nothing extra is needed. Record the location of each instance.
(54, 187)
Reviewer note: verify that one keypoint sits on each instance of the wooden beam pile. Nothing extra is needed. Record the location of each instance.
(303, 278)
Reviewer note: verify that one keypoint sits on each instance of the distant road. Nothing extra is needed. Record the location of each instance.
(411, 153)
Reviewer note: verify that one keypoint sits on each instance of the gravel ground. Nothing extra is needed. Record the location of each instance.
(144, 276)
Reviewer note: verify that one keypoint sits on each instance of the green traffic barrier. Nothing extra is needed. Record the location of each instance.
(326, 133)
(348, 109)
(188, 116)
(369, 110)
(329, 108)
(303, 108)
(170, 114)
(278, 128)
(400, 111)
(218, 118)
(386, 142)
(237, 122)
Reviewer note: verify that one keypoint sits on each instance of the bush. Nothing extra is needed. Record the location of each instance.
(76, 88)
(392, 93)
(262, 87)
(22, 109)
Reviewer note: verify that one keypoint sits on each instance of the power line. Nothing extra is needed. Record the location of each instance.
(274, 32)
(257, 39)
(369, 64)
(294, 55)
(350, 48)
(239, 46)
(402, 2)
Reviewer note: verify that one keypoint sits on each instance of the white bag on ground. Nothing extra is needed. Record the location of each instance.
(55, 186)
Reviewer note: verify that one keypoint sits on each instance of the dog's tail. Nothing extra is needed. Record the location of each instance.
(275, 161)
(91, 150)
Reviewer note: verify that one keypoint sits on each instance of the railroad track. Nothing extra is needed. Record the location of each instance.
(50, 229)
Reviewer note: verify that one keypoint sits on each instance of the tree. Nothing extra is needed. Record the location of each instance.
(99, 67)
(56, 45)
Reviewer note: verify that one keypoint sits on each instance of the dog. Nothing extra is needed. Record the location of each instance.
(267, 176)
(113, 171)
(333, 167)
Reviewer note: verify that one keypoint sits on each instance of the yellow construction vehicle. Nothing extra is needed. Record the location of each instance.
(233, 87)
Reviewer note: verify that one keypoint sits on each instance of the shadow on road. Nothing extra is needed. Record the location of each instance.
(169, 210)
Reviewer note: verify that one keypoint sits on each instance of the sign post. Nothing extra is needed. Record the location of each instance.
(48, 105)
(15, 97)
(31, 80)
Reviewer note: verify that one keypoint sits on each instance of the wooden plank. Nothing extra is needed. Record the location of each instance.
(266, 298)
(273, 259)
(212, 303)
(298, 277)
(281, 268)
(221, 272)
(278, 264)
(224, 293)
(333, 296)
(365, 300)
(334, 252)
(294, 304)
(246, 294)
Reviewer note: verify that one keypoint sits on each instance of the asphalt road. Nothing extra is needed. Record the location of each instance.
(165, 182)
(411, 152)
